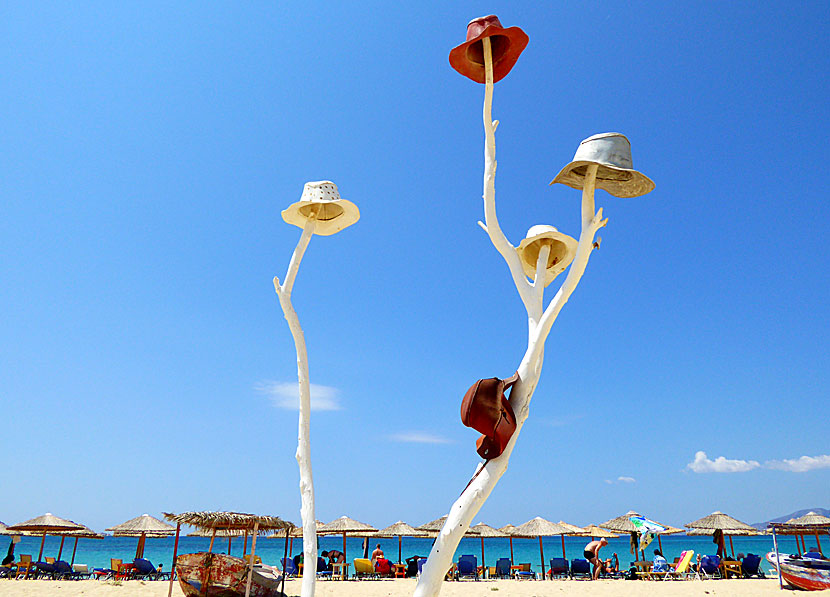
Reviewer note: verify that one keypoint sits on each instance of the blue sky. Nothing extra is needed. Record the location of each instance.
(148, 150)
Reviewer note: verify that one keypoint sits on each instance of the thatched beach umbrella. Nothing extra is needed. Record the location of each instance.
(142, 527)
(46, 524)
(256, 524)
(400, 530)
(623, 524)
(595, 532)
(718, 521)
(345, 526)
(483, 531)
(539, 527)
(809, 524)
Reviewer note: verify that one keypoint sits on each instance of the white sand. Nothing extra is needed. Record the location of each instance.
(405, 587)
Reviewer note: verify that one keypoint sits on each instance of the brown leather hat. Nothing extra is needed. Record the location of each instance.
(507, 45)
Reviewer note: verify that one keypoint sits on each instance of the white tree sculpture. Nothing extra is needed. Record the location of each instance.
(540, 319)
(320, 211)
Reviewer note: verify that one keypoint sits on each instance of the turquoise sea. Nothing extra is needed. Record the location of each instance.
(97, 552)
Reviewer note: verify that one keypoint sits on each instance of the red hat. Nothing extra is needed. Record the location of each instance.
(507, 45)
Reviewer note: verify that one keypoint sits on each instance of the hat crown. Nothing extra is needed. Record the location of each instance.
(477, 26)
(320, 191)
(612, 149)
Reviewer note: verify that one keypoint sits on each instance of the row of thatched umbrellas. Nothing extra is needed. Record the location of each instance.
(230, 524)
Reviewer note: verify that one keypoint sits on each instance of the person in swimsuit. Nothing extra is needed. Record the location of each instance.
(377, 554)
(591, 553)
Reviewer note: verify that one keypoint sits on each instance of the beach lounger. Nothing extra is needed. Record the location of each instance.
(503, 568)
(559, 568)
(581, 567)
(323, 569)
(44, 570)
(467, 567)
(363, 569)
(289, 568)
(751, 566)
(384, 568)
(24, 566)
(525, 572)
(145, 570)
(81, 571)
(709, 567)
(678, 570)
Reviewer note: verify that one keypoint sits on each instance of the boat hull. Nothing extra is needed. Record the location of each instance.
(218, 575)
(806, 573)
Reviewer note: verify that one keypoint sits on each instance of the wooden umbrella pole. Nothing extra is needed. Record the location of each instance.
(212, 539)
(245, 544)
(818, 542)
(483, 566)
(542, 555)
(731, 547)
(540, 320)
(284, 557)
(563, 547)
(173, 566)
(42, 541)
(229, 544)
(400, 546)
(74, 549)
(304, 427)
(60, 549)
(511, 552)
(252, 561)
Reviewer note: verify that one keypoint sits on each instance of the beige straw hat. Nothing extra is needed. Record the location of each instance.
(562, 251)
(321, 201)
(612, 152)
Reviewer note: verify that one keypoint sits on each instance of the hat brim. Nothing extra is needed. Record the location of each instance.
(620, 182)
(293, 214)
(528, 255)
(468, 60)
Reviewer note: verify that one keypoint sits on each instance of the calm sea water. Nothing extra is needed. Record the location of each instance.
(97, 552)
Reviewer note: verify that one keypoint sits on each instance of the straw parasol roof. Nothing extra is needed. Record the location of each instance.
(623, 524)
(400, 529)
(539, 527)
(710, 532)
(84, 533)
(344, 524)
(593, 530)
(718, 521)
(229, 520)
(142, 525)
(574, 530)
(224, 533)
(3, 528)
(484, 530)
(507, 529)
(811, 519)
(436, 525)
(48, 523)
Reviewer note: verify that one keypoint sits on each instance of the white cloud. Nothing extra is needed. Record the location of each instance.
(416, 437)
(702, 464)
(287, 395)
(800, 465)
(626, 479)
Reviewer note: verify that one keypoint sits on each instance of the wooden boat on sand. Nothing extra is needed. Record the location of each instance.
(217, 575)
(804, 573)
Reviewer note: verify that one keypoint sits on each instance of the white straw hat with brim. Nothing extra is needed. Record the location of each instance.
(562, 251)
(616, 175)
(321, 201)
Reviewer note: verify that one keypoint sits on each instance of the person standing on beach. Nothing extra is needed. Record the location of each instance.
(591, 553)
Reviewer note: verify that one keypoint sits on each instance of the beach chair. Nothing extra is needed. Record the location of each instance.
(581, 567)
(24, 566)
(289, 568)
(81, 571)
(677, 570)
(467, 567)
(503, 568)
(323, 569)
(709, 567)
(751, 566)
(559, 568)
(525, 572)
(363, 569)
(145, 570)
(44, 570)
(384, 567)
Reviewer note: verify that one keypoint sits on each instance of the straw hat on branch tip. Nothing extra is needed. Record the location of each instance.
(616, 174)
(506, 46)
(321, 201)
(562, 251)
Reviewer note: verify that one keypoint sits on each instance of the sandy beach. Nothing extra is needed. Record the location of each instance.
(405, 587)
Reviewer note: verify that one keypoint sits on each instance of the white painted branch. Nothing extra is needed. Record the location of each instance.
(465, 508)
(494, 231)
(303, 436)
